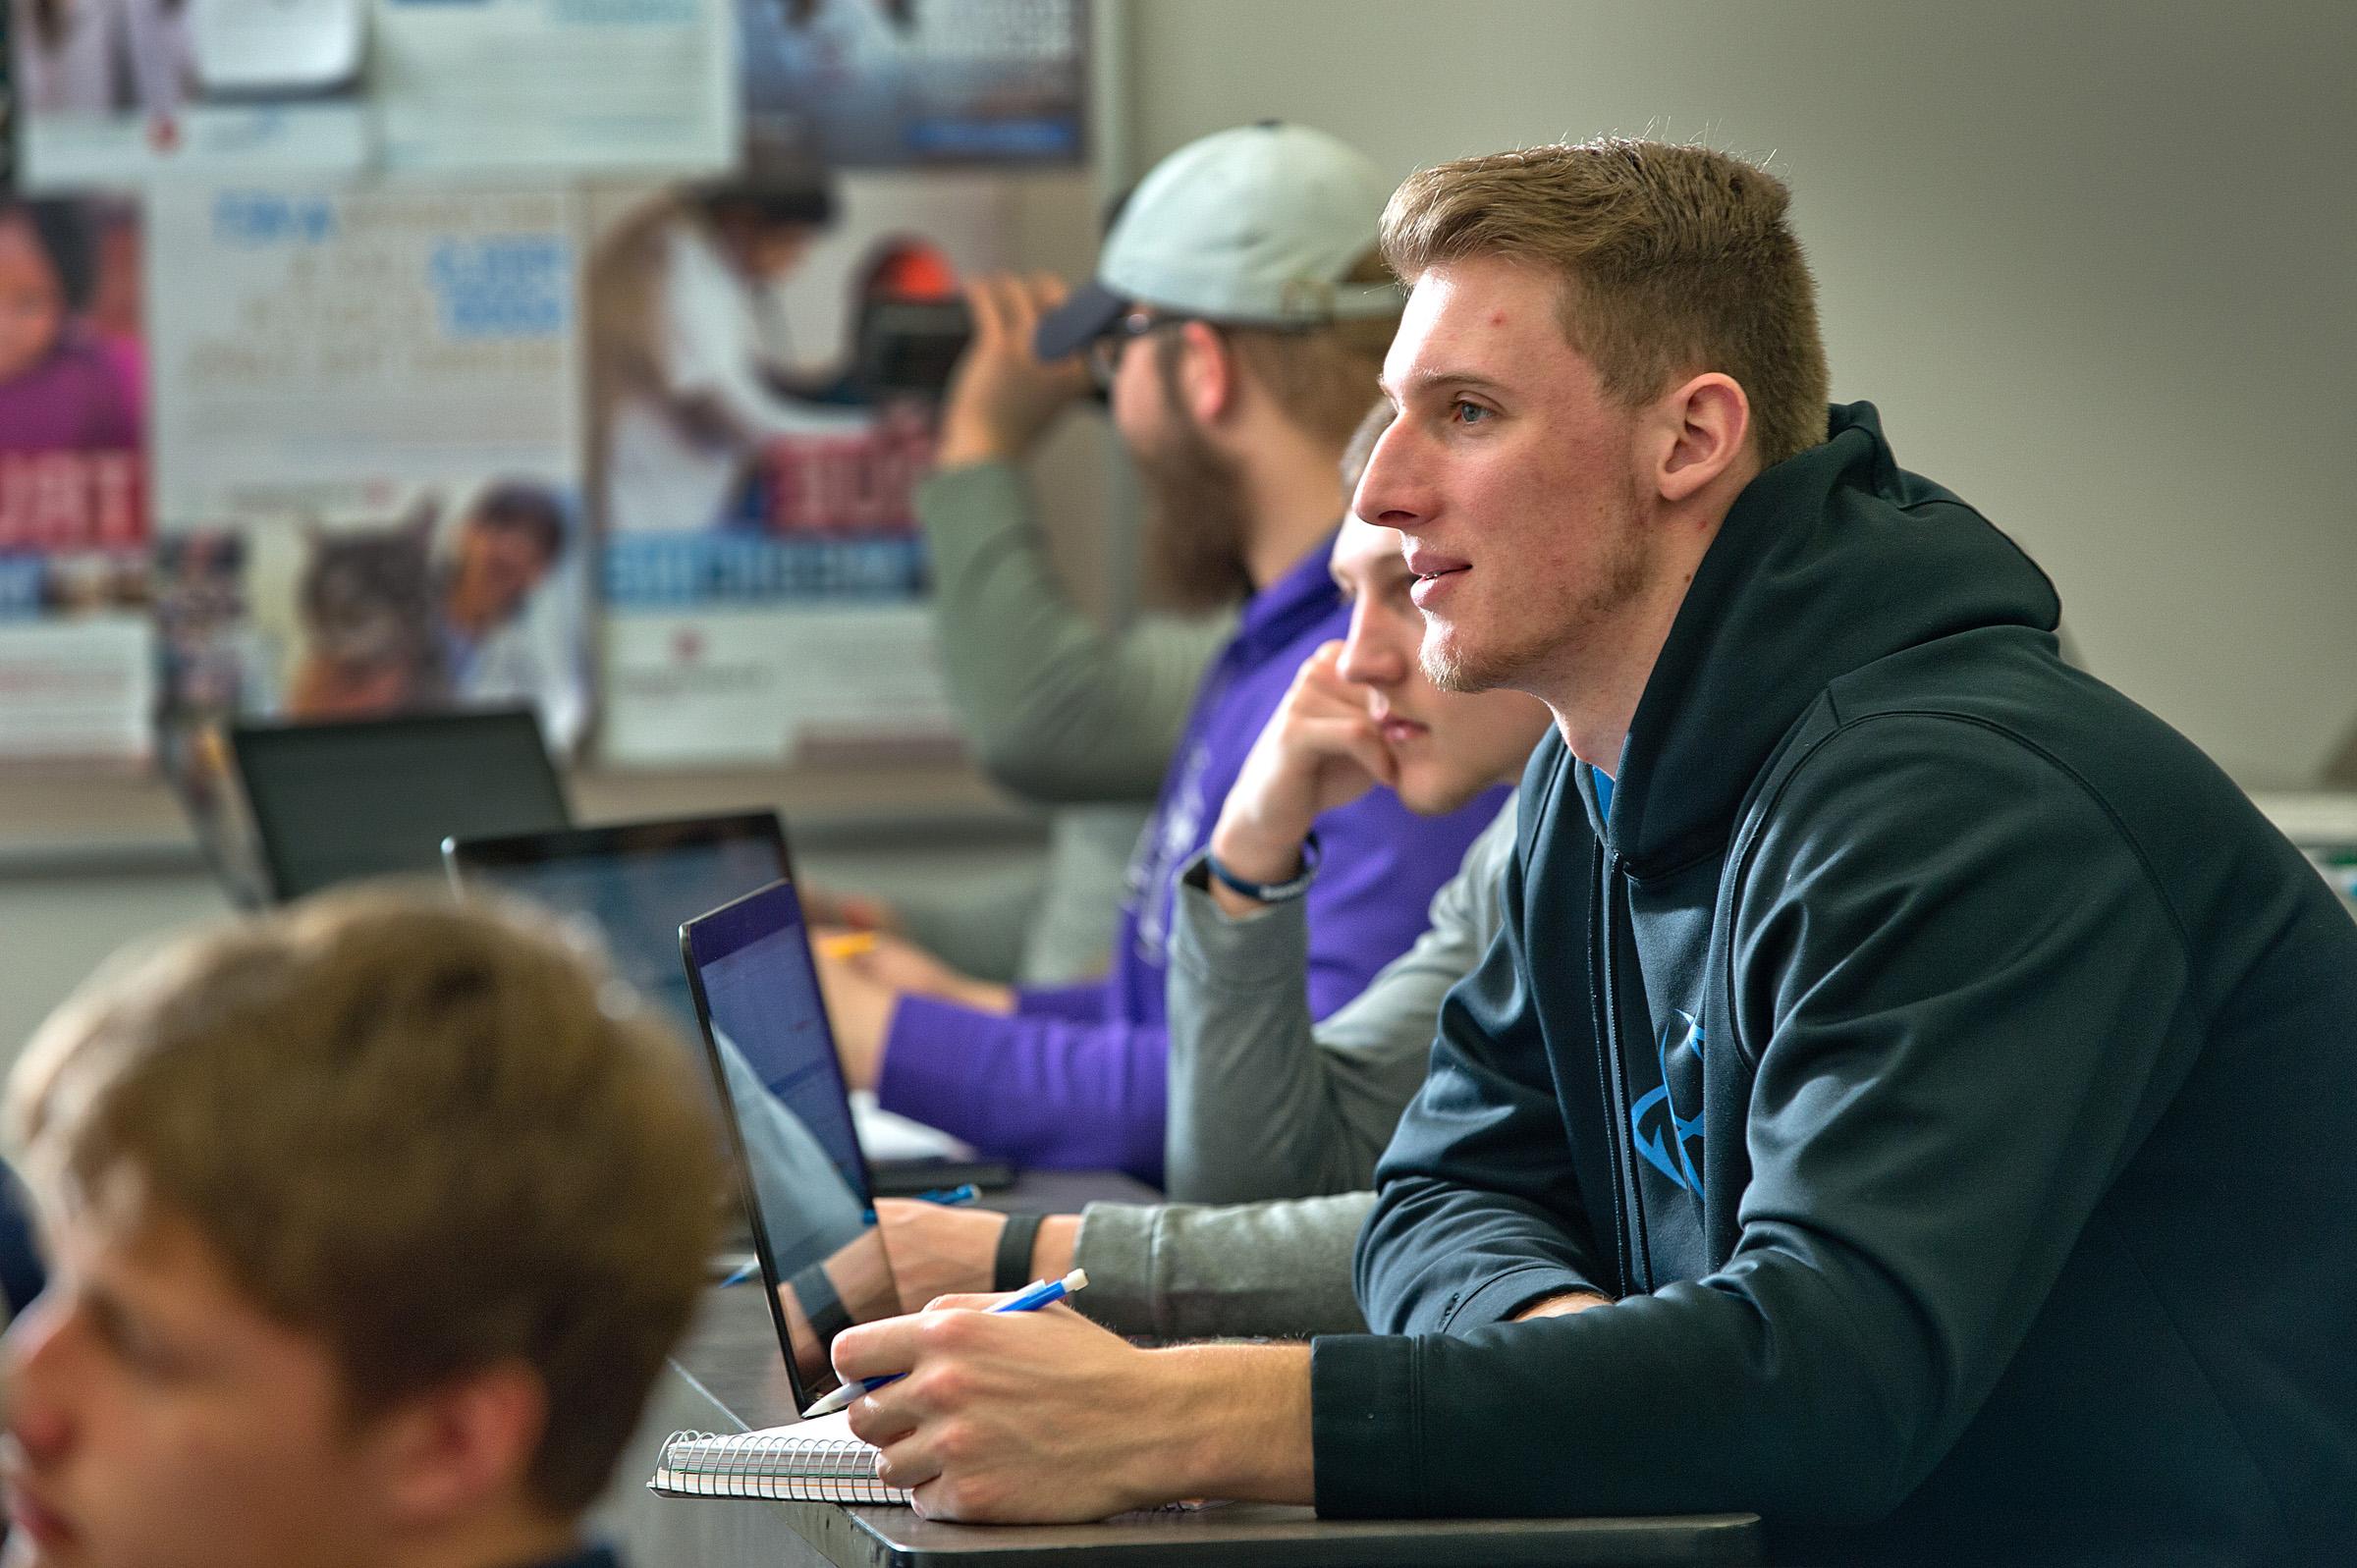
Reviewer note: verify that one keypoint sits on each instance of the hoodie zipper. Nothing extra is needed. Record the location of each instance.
(1637, 1271)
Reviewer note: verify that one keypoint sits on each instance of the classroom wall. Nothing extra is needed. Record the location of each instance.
(2093, 263)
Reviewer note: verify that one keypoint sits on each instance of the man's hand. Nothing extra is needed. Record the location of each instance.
(1044, 1417)
(1002, 396)
(902, 967)
(856, 911)
(1319, 750)
(859, 1007)
(939, 1251)
(1562, 1306)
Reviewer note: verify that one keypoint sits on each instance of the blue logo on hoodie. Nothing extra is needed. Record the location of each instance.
(1664, 1148)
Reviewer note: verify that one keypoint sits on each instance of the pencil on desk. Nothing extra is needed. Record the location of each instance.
(847, 945)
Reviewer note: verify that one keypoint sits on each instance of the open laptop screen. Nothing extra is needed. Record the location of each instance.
(636, 883)
(806, 1184)
(336, 802)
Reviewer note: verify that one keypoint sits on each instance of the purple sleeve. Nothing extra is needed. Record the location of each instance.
(1041, 1091)
(1049, 1089)
(1082, 1003)
(1379, 865)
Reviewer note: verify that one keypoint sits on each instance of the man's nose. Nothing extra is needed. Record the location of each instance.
(1387, 494)
(1371, 654)
(30, 1379)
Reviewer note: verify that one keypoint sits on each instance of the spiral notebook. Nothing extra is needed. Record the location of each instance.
(811, 1461)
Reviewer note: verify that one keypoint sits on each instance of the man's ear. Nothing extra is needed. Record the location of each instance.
(1703, 425)
(463, 1446)
(1207, 372)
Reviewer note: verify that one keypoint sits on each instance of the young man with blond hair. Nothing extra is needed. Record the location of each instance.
(1909, 1097)
(370, 1223)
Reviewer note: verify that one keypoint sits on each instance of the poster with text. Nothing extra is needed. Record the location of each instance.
(884, 83)
(367, 454)
(126, 92)
(75, 678)
(583, 86)
(764, 577)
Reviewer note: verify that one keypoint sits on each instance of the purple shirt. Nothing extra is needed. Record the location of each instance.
(1076, 1076)
(74, 400)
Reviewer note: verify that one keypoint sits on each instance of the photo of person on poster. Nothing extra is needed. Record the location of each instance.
(72, 463)
(66, 383)
(690, 361)
(103, 57)
(426, 613)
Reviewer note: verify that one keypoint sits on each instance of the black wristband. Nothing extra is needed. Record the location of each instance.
(1292, 888)
(1011, 1270)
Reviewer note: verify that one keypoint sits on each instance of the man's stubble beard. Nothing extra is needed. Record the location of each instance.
(1626, 572)
(1197, 521)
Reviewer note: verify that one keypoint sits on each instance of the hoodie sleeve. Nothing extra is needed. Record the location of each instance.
(1479, 1210)
(1969, 1003)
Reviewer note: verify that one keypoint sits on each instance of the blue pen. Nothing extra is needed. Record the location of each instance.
(1033, 1297)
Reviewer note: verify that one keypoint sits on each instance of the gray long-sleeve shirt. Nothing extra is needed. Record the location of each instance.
(1265, 1105)
(1275, 1104)
(1060, 710)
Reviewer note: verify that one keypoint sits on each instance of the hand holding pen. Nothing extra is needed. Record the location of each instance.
(1043, 1293)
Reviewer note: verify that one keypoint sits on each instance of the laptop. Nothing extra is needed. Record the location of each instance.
(806, 1181)
(636, 883)
(334, 801)
(633, 882)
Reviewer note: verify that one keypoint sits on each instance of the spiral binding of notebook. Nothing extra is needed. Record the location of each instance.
(817, 1461)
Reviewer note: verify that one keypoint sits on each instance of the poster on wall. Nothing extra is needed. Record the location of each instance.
(119, 92)
(115, 91)
(895, 84)
(368, 455)
(599, 86)
(764, 577)
(74, 646)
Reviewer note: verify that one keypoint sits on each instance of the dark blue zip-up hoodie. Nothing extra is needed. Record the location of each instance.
(1950, 1071)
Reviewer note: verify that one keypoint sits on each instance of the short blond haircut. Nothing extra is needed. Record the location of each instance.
(432, 1137)
(1675, 261)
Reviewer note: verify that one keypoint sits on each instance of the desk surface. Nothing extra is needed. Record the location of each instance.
(727, 1377)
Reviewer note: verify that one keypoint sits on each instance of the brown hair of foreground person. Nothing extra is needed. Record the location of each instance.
(434, 1137)
(1673, 260)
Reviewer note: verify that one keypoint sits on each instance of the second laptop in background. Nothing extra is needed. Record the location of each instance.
(638, 883)
(337, 801)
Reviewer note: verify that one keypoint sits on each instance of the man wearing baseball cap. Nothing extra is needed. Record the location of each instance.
(1236, 325)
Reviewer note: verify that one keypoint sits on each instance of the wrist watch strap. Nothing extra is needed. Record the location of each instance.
(1011, 1270)
(1268, 891)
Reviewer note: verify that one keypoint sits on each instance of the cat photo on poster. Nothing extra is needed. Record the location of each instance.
(469, 604)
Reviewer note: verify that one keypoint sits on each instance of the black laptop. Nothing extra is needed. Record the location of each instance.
(806, 1184)
(636, 883)
(334, 801)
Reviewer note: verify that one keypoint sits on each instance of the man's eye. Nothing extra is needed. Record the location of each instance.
(1468, 413)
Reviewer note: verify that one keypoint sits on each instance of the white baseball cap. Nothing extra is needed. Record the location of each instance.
(1257, 226)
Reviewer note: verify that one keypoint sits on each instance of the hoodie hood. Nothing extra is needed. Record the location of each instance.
(1826, 563)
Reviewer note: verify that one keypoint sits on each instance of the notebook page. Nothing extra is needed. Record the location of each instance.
(811, 1461)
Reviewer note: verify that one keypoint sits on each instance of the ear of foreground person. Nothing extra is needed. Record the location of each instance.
(370, 1222)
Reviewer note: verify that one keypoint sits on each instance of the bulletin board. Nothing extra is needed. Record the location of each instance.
(407, 445)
